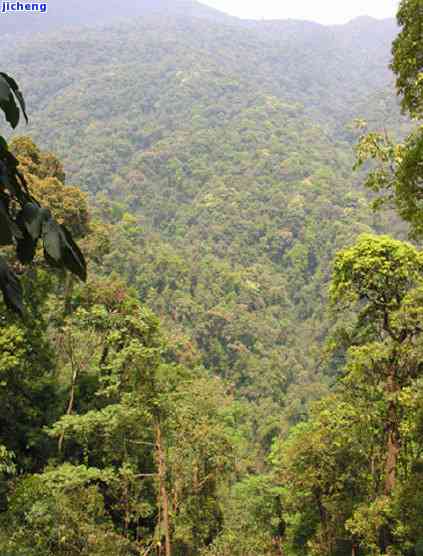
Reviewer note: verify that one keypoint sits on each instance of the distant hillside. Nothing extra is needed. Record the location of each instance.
(330, 71)
(71, 13)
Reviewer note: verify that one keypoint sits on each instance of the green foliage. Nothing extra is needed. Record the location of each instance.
(23, 221)
(352, 463)
(220, 174)
(324, 467)
(253, 519)
(221, 169)
(407, 57)
(28, 392)
(53, 514)
(398, 175)
(377, 271)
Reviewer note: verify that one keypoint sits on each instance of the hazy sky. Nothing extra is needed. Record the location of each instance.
(323, 11)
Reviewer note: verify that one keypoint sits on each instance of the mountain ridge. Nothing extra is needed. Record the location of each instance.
(78, 13)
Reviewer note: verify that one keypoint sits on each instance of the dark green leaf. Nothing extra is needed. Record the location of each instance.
(15, 88)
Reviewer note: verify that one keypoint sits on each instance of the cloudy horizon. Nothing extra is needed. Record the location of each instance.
(326, 12)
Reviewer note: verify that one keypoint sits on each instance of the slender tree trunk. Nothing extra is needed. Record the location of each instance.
(393, 444)
(277, 548)
(69, 282)
(392, 452)
(75, 374)
(163, 496)
(323, 520)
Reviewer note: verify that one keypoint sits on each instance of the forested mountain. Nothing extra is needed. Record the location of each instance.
(215, 158)
(326, 69)
(231, 148)
(73, 13)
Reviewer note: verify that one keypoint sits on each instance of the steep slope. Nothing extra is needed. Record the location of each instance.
(127, 78)
(225, 151)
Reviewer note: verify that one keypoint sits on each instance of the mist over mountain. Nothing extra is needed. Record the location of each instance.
(326, 68)
(72, 13)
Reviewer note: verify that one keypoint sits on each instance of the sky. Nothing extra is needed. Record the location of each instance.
(321, 11)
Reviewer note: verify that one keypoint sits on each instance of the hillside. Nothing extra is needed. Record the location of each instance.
(231, 147)
(330, 71)
(74, 13)
(211, 343)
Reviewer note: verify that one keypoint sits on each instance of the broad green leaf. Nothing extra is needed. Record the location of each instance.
(9, 90)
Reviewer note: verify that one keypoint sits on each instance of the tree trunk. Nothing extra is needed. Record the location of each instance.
(392, 452)
(75, 374)
(163, 497)
(393, 444)
(326, 537)
(69, 282)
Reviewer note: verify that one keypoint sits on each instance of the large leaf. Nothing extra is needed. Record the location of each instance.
(9, 93)
(10, 178)
(11, 288)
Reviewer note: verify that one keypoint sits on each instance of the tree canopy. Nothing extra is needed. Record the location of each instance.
(239, 374)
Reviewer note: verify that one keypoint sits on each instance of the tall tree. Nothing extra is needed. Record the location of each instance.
(382, 280)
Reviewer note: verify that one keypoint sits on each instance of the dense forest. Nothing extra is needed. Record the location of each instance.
(240, 373)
